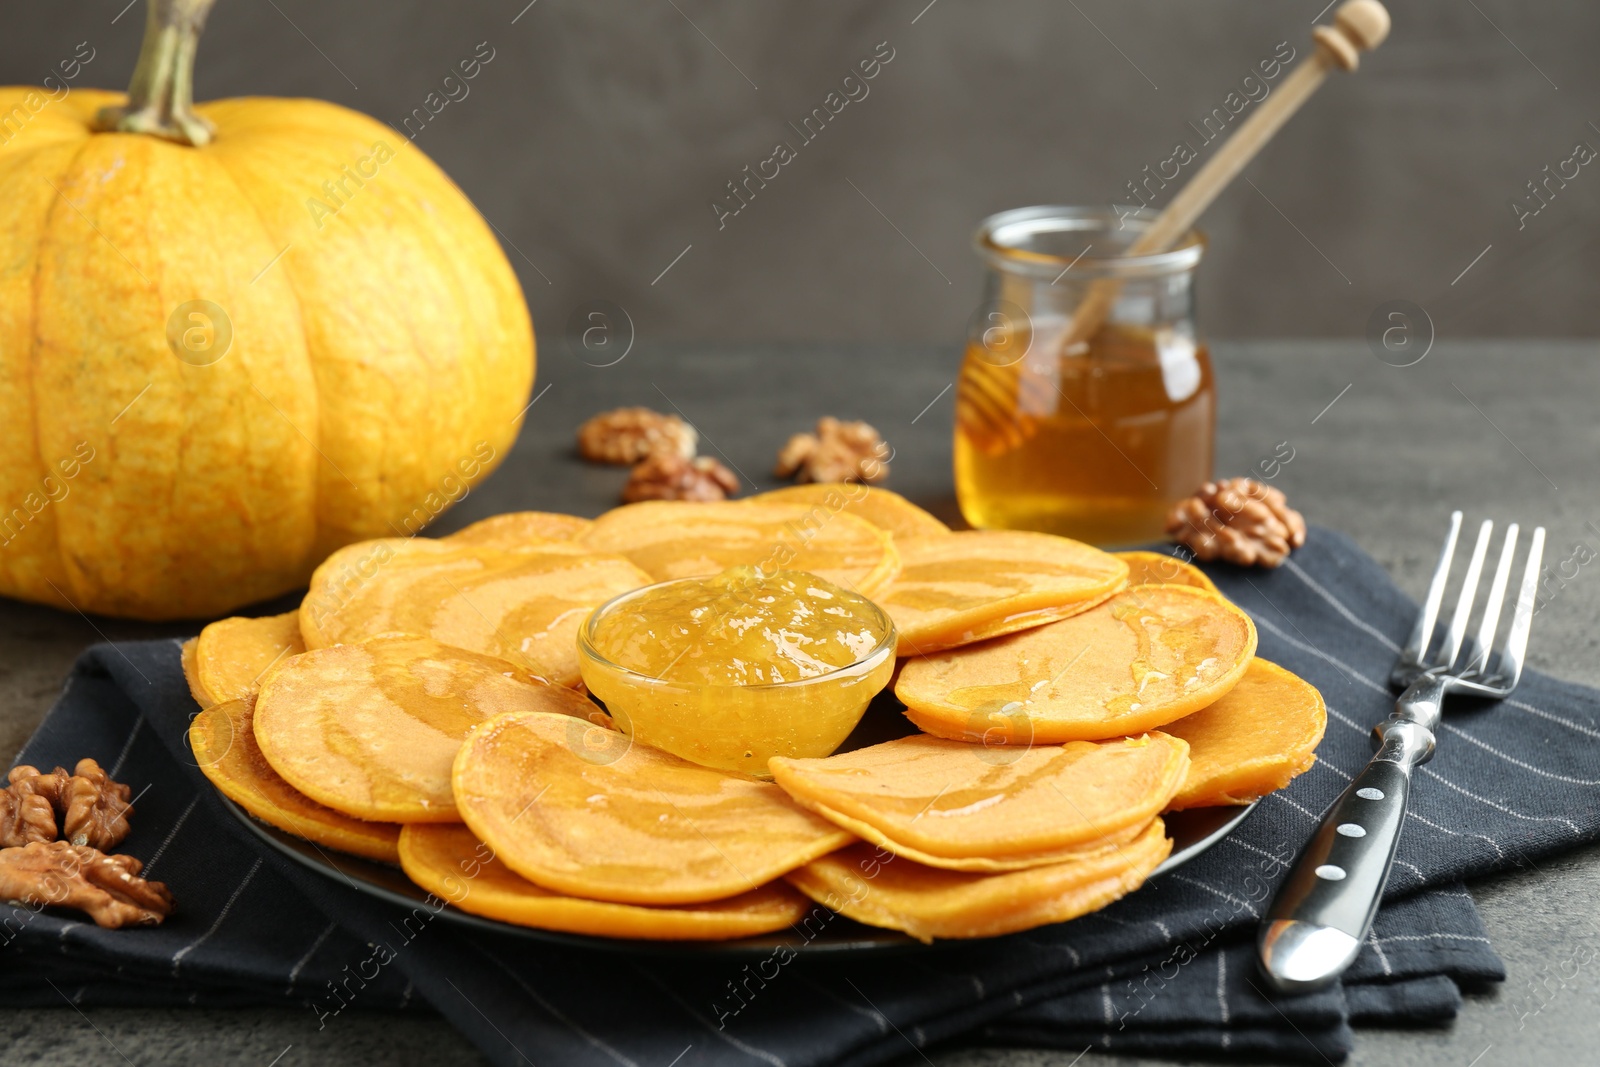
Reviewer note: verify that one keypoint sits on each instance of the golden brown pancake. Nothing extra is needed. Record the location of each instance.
(1146, 657)
(232, 657)
(581, 811)
(1158, 568)
(186, 657)
(881, 889)
(1018, 862)
(957, 800)
(449, 861)
(223, 740)
(523, 605)
(884, 508)
(517, 529)
(961, 587)
(677, 539)
(1252, 741)
(370, 729)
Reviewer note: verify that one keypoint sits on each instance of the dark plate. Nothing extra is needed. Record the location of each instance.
(1192, 832)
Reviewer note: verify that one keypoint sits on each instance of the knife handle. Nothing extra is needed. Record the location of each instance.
(1324, 908)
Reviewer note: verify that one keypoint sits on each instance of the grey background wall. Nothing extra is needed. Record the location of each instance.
(600, 132)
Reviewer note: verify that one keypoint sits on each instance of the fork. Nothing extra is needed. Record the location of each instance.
(1324, 908)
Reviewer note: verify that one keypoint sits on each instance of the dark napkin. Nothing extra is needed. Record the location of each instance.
(1167, 969)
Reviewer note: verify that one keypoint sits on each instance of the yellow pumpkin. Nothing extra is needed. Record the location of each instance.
(233, 338)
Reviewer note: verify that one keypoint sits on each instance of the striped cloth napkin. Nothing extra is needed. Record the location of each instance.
(1166, 970)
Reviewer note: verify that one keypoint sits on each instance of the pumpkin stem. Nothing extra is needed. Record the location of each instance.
(161, 94)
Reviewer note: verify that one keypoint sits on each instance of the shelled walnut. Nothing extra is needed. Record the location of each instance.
(665, 476)
(97, 809)
(626, 436)
(92, 811)
(837, 452)
(59, 874)
(25, 818)
(1239, 520)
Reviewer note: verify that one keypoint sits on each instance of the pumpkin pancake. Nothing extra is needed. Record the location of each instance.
(677, 539)
(884, 508)
(516, 529)
(1146, 657)
(223, 740)
(1018, 862)
(580, 810)
(450, 862)
(523, 605)
(998, 581)
(881, 890)
(957, 800)
(370, 729)
(1158, 568)
(1252, 741)
(1026, 620)
(186, 658)
(232, 657)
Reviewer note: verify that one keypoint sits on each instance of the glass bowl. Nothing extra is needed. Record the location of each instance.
(735, 727)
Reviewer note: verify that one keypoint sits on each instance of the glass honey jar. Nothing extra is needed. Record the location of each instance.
(1086, 404)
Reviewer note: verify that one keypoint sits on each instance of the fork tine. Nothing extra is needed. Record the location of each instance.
(1422, 633)
(1497, 596)
(1522, 618)
(1469, 591)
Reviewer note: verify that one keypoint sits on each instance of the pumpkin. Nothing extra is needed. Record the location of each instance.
(233, 337)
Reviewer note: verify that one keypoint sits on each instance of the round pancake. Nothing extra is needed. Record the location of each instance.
(223, 740)
(1019, 862)
(951, 586)
(1252, 741)
(1146, 657)
(677, 539)
(581, 811)
(449, 861)
(958, 800)
(232, 657)
(885, 890)
(884, 508)
(370, 729)
(186, 658)
(1027, 620)
(516, 529)
(1158, 568)
(523, 605)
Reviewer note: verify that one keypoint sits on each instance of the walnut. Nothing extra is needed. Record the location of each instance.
(1239, 520)
(30, 805)
(52, 786)
(837, 452)
(97, 809)
(667, 476)
(25, 817)
(627, 435)
(108, 888)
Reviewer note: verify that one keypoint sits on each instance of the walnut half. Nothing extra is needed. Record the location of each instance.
(62, 875)
(628, 435)
(664, 476)
(838, 452)
(97, 809)
(1239, 520)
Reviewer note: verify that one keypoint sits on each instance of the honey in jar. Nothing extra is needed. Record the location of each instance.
(1097, 437)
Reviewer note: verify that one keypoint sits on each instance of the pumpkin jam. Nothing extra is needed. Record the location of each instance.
(731, 670)
(740, 628)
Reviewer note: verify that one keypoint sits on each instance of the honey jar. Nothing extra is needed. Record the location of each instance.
(1086, 405)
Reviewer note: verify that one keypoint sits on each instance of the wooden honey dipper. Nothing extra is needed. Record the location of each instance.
(986, 402)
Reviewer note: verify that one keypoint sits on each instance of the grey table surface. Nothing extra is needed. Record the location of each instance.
(1503, 429)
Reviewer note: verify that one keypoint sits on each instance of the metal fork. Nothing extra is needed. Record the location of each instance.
(1325, 906)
